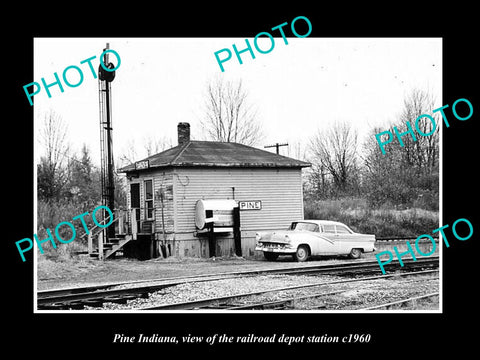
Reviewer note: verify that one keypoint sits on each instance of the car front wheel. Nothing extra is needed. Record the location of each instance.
(301, 254)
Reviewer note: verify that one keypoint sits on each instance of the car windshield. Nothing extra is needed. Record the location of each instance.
(303, 226)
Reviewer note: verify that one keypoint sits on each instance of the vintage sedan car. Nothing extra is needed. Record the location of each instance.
(314, 237)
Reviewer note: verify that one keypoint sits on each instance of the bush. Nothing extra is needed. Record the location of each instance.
(50, 214)
(383, 222)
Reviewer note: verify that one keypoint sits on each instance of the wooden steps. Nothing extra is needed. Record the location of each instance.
(127, 231)
(110, 247)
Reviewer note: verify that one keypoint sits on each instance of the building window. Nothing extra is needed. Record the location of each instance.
(148, 199)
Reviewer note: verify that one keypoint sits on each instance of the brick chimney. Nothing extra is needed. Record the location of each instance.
(183, 129)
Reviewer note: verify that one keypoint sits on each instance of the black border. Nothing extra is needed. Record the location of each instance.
(91, 334)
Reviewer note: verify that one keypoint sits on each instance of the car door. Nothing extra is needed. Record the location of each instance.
(327, 242)
(344, 239)
(310, 234)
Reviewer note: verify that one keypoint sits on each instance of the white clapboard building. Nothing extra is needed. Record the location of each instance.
(182, 198)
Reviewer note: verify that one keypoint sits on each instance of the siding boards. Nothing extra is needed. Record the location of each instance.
(162, 181)
(280, 191)
(163, 184)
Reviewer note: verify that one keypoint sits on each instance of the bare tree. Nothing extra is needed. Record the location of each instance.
(151, 146)
(297, 150)
(405, 176)
(52, 171)
(424, 151)
(129, 154)
(154, 145)
(335, 153)
(228, 115)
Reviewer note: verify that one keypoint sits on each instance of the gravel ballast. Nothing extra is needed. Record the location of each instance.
(356, 295)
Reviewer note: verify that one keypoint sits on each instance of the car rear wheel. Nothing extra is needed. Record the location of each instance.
(301, 254)
(355, 253)
(270, 256)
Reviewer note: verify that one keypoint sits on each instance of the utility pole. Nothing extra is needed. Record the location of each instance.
(277, 145)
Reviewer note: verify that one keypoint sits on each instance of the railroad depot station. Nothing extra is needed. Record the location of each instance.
(204, 199)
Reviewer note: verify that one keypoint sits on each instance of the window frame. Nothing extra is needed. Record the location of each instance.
(329, 232)
(348, 231)
(148, 210)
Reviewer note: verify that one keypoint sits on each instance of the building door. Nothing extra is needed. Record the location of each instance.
(135, 202)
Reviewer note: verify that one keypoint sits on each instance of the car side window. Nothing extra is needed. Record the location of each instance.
(342, 230)
(330, 229)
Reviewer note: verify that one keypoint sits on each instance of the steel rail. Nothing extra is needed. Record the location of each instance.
(43, 294)
(178, 280)
(198, 304)
(398, 302)
(95, 295)
(281, 302)
(282, 270)
(323, 305)
(399, 238)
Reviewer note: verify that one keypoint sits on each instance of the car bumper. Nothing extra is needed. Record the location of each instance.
(281, 249)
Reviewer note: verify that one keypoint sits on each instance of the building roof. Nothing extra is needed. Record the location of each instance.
(217, 154)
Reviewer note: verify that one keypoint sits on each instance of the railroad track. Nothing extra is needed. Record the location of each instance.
(393, 238)
(399, 303)
(228, 302)
(78, 298)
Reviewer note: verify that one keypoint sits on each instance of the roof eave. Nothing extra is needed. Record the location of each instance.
(128, 169)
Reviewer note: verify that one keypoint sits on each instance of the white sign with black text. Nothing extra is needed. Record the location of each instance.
(250, 205)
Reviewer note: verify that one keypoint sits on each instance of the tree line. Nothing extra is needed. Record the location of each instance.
(64, 176)
(342, 164)
(404, 177)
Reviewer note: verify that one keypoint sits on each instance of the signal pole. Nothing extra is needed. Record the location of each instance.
(106, 142)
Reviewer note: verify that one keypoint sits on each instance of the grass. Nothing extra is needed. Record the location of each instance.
(383, 222)
(49, 215)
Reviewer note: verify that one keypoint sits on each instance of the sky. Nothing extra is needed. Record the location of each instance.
(298, 89)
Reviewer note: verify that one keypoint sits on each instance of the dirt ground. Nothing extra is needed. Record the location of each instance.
(84, 271)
